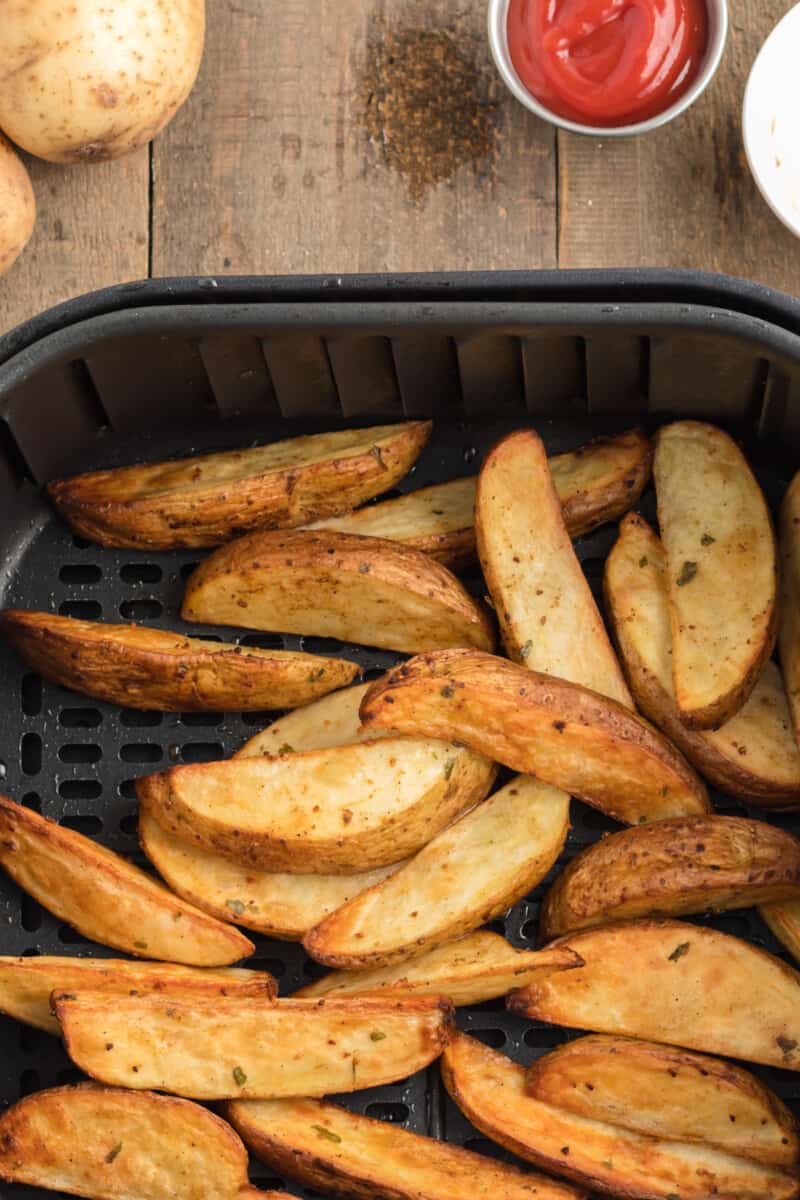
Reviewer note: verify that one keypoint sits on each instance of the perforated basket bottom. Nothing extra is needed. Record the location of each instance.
(76, 759)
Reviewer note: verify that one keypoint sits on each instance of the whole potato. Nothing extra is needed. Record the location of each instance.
(95, 79)
(17, 205)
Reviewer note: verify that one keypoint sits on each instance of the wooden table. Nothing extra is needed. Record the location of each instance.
(267, 169)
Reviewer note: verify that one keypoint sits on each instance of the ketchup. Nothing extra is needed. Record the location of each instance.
(607, 62)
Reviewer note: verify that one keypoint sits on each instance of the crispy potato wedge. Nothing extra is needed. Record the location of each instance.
(722, 570)
(235, 1048)
(673, 867)
(596, 483)
(107, 899)
(331, 721)
(26, 984)
(478, 967)
(110, 1144)
(754, 755)
(667, 981)
(341, 811)
(340, 585)
(464, 877)
(204, 500)
(668, 1093)
(784, 921)
(564, 734)
(547, 614)
(490, 1090)
(150, 668)
(789, 634)
(329, 1149)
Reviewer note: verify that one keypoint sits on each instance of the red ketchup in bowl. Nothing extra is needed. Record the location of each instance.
(607, 62)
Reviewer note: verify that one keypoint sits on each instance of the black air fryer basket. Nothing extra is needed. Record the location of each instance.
(178, 366)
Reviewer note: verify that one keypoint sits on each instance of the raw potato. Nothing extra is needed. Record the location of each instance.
(107, 899)
(476, 968)
(210, 498)
(784, 921)
(26, 984)
(666, 981)
(464, 877)
(722, 570)
(341, 811)
(595, 483)
(678, 867)
(152, 669)
(548, 617)
(91, 81)
(789, 635)
(668, 1093)
(230, 1049)
(331, 721)
(754, 755)
(17, 204)
(490, 1091)
(566, 735)
(339, 585)
(329, 1149)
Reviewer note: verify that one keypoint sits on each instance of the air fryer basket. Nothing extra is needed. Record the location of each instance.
(87, 389)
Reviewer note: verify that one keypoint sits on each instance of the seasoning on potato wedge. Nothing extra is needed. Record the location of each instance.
(789, 634)
(339, 585)
(564, 734)
(235, 1048)
(209, 498)
(107, 899)
(784, 921)
(547, 614)
(668, 981)
(153, 669)
(676, 867)
(754, 755)
(332, 721)
(467, 875)
(722, 570)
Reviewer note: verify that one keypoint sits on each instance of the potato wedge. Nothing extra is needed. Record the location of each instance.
(359, 589)
(667, 981)
(331, 721)
(26, 984)
(596, 483)
(490, 1090)
(230, 1049)
(150, 668)
(784, 921)
(754, 755)
(110, 1144)
(204, 500)
(464, 877)
(329, 1149)
(722, 570)
(564, 734)
(107, 899)
(547, 614)
(341, 811)
(789, 634)
(677, 867)
(478, 967)
(668, 1093)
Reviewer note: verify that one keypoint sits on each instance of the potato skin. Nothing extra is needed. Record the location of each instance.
(17, 206)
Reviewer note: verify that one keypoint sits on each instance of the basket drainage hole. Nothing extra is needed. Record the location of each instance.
(130, 823)
(320, 645)
(88, 824)
(529, 931)
(485, 1147)
(82, 610)
(31, 694)
(141, 752)
(127, 789)
(261, 718)
(141, 610)
(141, 573)
(80, 573)
(79, 718)
(71, 937)
(78, 753)
(80, 789)
(196, 752)
(188, 568)
(208, 720)
(275, 966)
(28, 1082)
(495, 1038)
(30, 1040)
(32, 800)
(69, 1075)
(262, 641)
(544, 1039)
(396, 1114)
(135, 719)
(80, 543)
(30, 914)
(31, 753)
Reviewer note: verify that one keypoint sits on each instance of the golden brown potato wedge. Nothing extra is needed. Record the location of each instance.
(490, 1090)
(341, 811)
(722, 570)
(677, 867)
(478, 967)
(330, 1149)
(564, 734)
(234, 1048)
(784, 921)
(547, 614)
(754, 755)
(26, 984)
(789, 635)
(667, 981)
(596, 483)
(204, 500)
(150, 668)
(464, 877)
(107, 899)
(668, 1093)
(331, 721)
(340, 585)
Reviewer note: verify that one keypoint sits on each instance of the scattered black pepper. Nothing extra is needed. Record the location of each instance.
(679, 951)
(448, 692)
(112, 1154)
(688, 572)
(707, 540)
